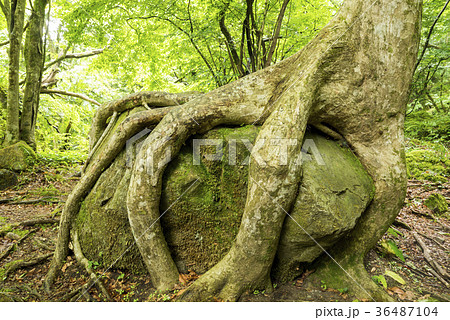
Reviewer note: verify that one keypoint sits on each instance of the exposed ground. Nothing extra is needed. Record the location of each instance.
(33, 245)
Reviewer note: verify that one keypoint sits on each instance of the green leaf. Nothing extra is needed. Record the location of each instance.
(380, 279)
(391, 247)
(395, 276)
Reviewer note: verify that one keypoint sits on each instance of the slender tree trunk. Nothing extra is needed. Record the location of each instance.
(15, 38)
(34, 62)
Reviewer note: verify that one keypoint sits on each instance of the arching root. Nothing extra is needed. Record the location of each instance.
(100, 161)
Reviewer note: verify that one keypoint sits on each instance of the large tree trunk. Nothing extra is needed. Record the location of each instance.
(34, 62)
(17, 17)
(353, 77)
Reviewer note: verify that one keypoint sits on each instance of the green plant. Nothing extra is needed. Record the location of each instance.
(323, 285)
(391, 247)
(343, 290)
(380, 280)
(394, 276)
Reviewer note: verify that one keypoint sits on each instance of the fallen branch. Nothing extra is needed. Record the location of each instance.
(19, 264)
(71, 94)
(441, 273)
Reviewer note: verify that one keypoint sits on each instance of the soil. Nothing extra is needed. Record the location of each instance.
(51, 186)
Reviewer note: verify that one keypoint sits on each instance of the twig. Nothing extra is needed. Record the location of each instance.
(74, 56)
(447, 229)
(42, 245)
(442, 274)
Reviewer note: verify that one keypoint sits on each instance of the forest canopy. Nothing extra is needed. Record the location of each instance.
(180, 46)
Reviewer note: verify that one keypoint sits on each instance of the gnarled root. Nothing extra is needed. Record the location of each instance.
(100, 161)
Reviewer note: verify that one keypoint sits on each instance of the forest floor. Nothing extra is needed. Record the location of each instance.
(29, 216)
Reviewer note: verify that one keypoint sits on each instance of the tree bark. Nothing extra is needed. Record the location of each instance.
(17, 17)
(354, 77)
(34, 63)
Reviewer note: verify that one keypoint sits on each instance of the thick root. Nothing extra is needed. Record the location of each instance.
(350, 273)
(227, 281)
(85, 263)
(99, 163)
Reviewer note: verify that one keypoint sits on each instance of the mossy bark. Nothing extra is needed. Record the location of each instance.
(353, 78)
(200, 226)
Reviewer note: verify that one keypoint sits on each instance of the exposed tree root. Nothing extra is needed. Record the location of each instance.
(440, 272)
(99, 163)
(349, 273)
(85, 264)
(432, 239)
(7, 251)
(74, 295)
(19, 264)
(151, 99)
(33, 201)
(333, 80)
(401, 224)
(36, 221)
(13, 246)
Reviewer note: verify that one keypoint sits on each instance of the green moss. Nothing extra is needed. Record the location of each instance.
(437, 203)
(201, 224)
(428, 164)
(17, 157)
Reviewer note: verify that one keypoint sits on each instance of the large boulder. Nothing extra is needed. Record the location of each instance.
(7, 179)
(17, 157)
(201, 224)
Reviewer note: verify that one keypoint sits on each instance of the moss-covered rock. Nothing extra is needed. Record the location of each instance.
(437, 203)
(17, 157)
(201, 224)
(7, 179)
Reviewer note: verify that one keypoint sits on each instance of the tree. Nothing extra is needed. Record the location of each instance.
(14, 12)
(351, 81)
(34, 60)
(22, 117)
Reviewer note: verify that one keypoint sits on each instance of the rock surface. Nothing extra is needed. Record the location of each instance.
(17, 157)
(7, 179)
(200, 224)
